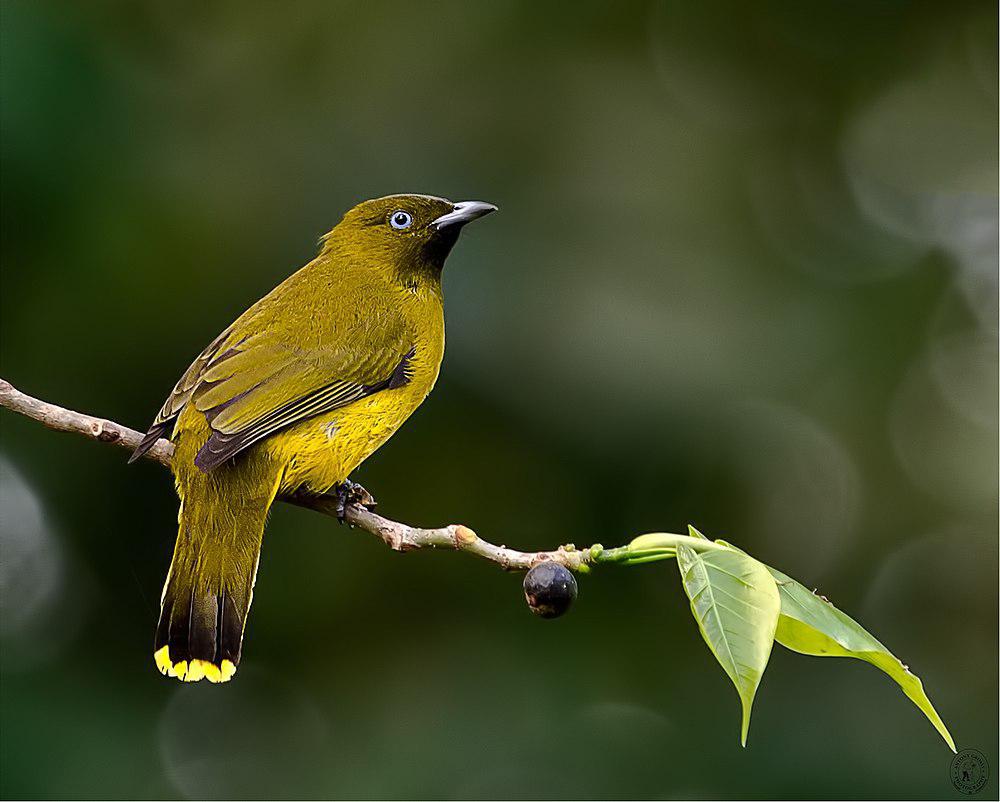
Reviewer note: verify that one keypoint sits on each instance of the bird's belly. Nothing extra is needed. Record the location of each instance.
(322, 451)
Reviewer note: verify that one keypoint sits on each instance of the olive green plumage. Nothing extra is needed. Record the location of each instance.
(294, 395)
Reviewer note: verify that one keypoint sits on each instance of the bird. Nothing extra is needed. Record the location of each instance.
(292, 397)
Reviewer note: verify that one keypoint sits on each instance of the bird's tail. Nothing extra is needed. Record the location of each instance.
(207, 595)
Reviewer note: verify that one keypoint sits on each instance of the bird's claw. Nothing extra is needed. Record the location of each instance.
(348, 493)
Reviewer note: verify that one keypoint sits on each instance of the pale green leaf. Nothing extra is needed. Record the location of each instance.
(811, 625)
(735, 602)
(695, 533)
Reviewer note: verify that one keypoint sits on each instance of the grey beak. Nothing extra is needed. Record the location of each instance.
(463, 212)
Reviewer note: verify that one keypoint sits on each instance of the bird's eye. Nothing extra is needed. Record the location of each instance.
(400, 220)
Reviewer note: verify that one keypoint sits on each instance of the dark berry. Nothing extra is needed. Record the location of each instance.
(549, 589)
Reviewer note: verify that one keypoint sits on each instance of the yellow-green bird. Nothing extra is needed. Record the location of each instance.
(294, 395)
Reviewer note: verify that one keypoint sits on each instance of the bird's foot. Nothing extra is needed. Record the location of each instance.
(348, 493)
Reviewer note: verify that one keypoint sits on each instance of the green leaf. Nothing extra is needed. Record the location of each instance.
(695, 533)
(735, 602)
(811, 625)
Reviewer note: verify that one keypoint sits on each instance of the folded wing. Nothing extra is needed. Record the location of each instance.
(250, 386)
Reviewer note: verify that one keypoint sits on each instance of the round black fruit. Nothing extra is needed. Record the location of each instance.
(549, 589)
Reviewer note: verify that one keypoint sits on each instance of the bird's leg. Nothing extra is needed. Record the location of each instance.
(347, 493)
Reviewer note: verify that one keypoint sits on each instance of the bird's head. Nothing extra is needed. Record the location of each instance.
(412, 234)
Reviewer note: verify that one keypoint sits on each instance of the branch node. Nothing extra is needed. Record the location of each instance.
(464, 536)
(104, 431)
(393, 538)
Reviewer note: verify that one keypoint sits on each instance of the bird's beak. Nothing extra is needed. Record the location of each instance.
(463, 212)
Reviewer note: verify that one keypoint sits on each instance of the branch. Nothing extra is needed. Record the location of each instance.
(816, 621)
(398, 536)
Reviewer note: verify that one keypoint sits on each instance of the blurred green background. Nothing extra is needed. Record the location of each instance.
(744, 276)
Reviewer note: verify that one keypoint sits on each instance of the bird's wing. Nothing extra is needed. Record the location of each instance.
(164, 421)
(260, 389)
(253, 386)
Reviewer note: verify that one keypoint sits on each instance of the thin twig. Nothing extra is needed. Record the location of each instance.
(398, 536)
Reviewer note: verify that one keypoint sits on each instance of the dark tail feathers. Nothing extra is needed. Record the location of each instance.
(200, 633)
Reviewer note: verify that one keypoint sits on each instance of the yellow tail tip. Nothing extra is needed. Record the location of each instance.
(194, 670)
(162, 658)
(212, 672)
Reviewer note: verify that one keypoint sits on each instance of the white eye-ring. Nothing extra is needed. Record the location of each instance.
(400, 220)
